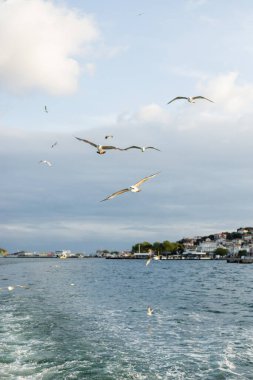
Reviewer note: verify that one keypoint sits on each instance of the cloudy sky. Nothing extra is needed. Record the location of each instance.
(110, 68)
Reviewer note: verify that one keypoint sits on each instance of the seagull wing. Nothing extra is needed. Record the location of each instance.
(115, 194)
(110, 147)
(201, 97)
(145, 179)
(178, 97)
(148, 261)
(133, 147)
(152, 147)
(87, 141)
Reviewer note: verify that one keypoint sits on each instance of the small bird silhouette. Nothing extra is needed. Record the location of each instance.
(46, 162)
(150, 311)
(45, 108)
(54, 144)
(190, 99)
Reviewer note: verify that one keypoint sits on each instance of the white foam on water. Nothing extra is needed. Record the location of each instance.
(227, 363)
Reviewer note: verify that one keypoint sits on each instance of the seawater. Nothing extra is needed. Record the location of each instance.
(87, 319)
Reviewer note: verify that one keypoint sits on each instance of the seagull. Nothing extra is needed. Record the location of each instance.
(22, 286)
(10, 288)
(101, 149)
(46, 109)
(148, 261)
(150, 311)
(190, 99)
(54, 144)
(108, 136)
(142, 148)
(151, 256)
(134, 188)
(45, 162)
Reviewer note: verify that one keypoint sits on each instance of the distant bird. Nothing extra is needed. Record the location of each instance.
(22, 286)
(54, 144)
(190, 99)
(10, 288)
(45, 108)
(101, 149)
(142, 148)
(108, 136)
(45, 162)
(150, 311)
(140, 14)
(134, 188)
(148, 261)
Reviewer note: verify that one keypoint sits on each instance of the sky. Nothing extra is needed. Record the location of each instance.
(110, 68)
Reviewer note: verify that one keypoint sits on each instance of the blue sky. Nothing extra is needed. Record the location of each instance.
(110, 68)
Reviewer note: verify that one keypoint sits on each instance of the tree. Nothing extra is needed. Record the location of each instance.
(242, 252)
(157, 247)
(142, 247)
(220, 251)
(233, 235)
(3, 252)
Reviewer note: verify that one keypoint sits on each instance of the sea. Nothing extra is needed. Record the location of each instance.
(87, 319)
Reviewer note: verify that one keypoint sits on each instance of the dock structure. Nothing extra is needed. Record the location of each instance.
(240, 260)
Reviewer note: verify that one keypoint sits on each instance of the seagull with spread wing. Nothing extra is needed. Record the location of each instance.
(101, 149)
(142, 148)
(54, 144)
(134, 188)
(46, 162)
(190, 99)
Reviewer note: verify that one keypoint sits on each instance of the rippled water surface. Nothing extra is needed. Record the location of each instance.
(87, 319)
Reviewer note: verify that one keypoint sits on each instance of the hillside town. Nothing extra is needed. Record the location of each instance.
(216, 246)
(223, 245)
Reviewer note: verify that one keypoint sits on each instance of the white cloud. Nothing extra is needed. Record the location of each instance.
(90, 68)
(153, 113)
(150, 113)
(232, 107)
(39, 44)
(195, 3)
(225, 90)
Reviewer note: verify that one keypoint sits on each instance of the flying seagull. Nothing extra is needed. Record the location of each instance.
(190, 99)
(142, 148)
(45, 162)
(148, 260)
(108, 136)
(54, 144)
(46, 109)
(101, 149)
(150, 311)
(134, 188)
